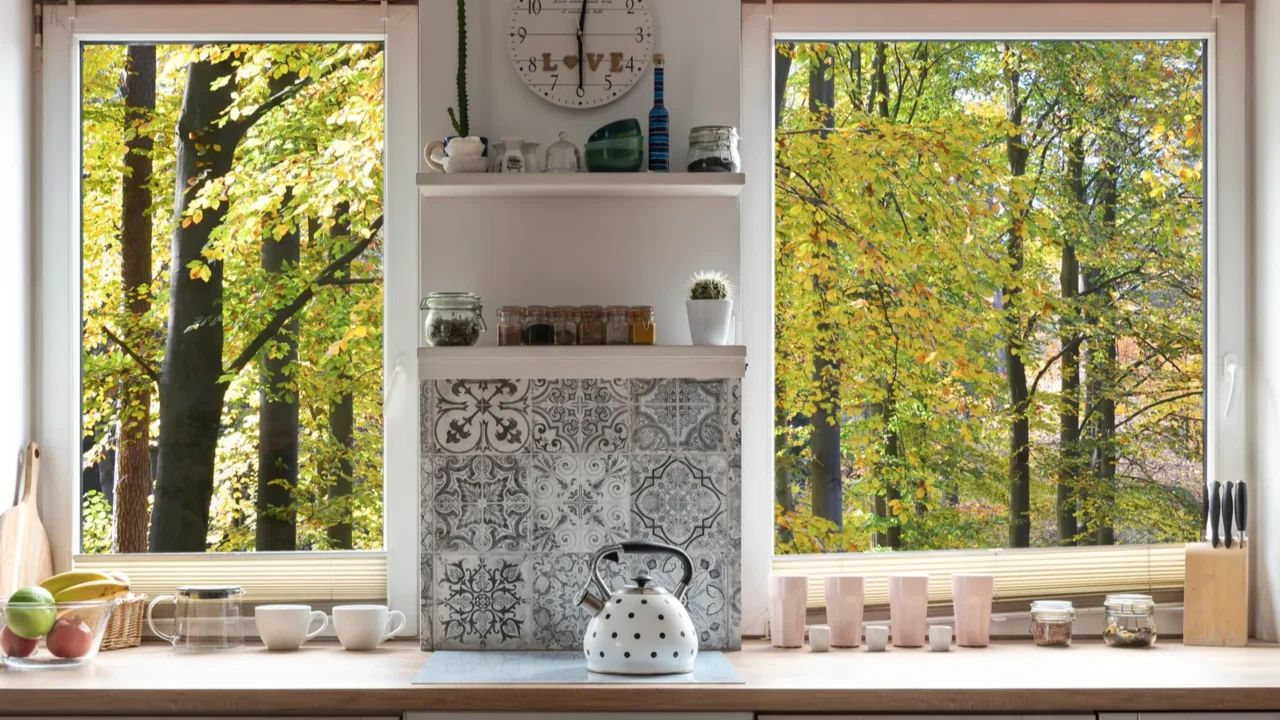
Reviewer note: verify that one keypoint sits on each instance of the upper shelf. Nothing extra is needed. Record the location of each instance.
(622, 185)
(581, 361)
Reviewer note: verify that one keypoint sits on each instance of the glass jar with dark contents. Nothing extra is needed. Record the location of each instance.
(591, 322)
(1131, 621)
(617, 329)
(1051, 622)
(714, 148)
(565, 320)
(453, 319)
(538, 327)
(511, 325)
(643, 329)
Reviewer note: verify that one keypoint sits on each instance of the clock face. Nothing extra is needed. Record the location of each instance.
(616, 47)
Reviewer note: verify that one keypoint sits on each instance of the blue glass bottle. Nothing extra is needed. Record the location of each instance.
(659, 121)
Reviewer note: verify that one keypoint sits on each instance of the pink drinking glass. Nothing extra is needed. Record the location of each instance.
(908, 608)
(845, 595)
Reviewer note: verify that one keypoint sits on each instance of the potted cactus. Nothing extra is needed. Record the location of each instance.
(710, 307)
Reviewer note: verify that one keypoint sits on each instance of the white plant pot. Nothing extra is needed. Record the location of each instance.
(709, 321)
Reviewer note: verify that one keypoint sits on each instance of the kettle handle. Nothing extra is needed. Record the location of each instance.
(614, 553)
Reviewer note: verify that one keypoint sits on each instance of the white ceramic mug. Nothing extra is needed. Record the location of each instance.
(287, 627)
(365, 627)
(877, 637)
(939, 638)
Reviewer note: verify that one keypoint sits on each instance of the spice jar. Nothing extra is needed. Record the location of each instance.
(591, 321)
(714, 148)
(643, 329)
(617, 328)
(538, 327)
(1051, 622)
(1131, 621)
(453, 319)
(565, 320)
(510, 325)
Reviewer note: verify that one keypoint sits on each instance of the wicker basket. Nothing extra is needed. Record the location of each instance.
(124, 630)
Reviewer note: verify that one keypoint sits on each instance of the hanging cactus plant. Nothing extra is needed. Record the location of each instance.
(710, 285)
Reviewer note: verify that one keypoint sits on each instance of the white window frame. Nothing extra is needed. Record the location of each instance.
(57, 368)
(1226, 218)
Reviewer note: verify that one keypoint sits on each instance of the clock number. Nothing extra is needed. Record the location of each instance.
(533, 64)
(535, 7)
(631, 7)
(608, 82)
(522, 33)
(639, 34)
(581, 92)
(554, 79)
(631, 63)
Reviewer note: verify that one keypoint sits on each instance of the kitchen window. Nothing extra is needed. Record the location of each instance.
(965, 194)
(228, 291)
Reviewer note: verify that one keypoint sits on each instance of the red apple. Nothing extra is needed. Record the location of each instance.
(69, 638)
(14, 645)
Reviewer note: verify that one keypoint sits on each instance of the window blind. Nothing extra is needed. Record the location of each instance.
(265, 577)
(1021, 575)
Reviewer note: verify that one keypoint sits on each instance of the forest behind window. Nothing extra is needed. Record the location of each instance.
(989, 294)
(231, 284)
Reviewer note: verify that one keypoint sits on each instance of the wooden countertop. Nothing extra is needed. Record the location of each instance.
(1006, 677)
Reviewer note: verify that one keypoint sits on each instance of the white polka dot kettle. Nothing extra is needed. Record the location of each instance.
(641, 629)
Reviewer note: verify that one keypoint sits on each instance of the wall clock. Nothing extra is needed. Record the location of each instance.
(580, 54)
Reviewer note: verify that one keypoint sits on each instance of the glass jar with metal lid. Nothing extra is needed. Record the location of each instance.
(511, 325)
(591, 322)
(1051, 622)
(454, 319)
(617, 325)
(643, 329)
(565, 320)
(1131, 621)
(714, 148)
(539, 329)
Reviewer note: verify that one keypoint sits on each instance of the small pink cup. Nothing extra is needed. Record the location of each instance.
(908, 608)
(845, 595)
(971, 598)
(788, 600)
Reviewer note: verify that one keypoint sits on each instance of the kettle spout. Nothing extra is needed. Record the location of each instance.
(592, 603)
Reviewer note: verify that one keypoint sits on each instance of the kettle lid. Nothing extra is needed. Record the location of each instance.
(642, 584)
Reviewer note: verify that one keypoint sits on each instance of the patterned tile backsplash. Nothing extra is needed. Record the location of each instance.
(522, 480)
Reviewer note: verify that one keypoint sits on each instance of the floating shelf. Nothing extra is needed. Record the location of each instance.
(581, 361)
(623, 185)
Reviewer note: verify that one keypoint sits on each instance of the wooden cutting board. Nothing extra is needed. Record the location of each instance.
(25, 558)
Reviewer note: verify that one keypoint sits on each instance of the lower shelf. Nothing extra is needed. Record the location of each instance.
(581, 361)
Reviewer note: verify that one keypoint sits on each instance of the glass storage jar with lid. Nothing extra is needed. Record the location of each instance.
(1131, 621)
(714, 148)
(1051, 622)
(591, 321)
(643, 329)
(454, 319)
(539, 328)
(617, 327)
(510, 325)
(565, 320)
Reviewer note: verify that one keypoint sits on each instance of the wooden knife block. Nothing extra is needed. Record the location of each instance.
(1216, 600)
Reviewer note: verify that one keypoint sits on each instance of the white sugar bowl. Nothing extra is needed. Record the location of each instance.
(641, 629)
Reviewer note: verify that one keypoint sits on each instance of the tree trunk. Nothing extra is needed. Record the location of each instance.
(781, 71)
(1069, 404)
(1020, 429)
(277, 527)
(1105, 366)
(782, 464)
(342, 423)
(825, 476)
(191, 386)
(133, 453)
(878, 94)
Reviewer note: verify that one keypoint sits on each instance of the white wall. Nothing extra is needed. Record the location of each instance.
(1265, 265)
(17, 217)
(580, 251)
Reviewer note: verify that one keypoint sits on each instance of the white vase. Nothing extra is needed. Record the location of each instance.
(709, 321)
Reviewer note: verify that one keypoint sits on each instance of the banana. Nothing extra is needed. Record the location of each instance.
(58, 583)
(121, 578)
(92, 590)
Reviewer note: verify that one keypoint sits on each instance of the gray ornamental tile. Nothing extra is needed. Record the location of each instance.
(481, 502)
(734, 415)
(702, 428)
(569, 416)
(702, 392)
(605, 428)
(660, 391)
(426, 606)
(604, 392)
(681, 500)
(482, 601)
(426, 404)
(654, 428)
(480, 416)
(426, 509)
(555, 428)
(557, 622)
(580, 502)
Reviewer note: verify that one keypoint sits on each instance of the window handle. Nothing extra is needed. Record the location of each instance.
(1230, 366)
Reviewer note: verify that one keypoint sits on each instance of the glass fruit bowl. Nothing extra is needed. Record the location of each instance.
(41, 635)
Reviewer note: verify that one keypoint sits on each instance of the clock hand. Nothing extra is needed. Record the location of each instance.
(582, 25)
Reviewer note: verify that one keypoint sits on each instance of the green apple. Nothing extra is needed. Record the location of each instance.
(30, 612)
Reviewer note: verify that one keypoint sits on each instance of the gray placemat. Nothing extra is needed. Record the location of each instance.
(449, 667)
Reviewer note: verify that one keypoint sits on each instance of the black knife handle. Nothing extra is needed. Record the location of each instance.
(1215, 511)
(1228, 512)
(1242, 508)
